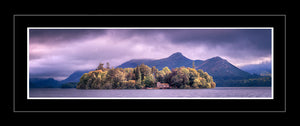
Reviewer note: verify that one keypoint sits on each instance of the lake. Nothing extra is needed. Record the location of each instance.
(214, 93)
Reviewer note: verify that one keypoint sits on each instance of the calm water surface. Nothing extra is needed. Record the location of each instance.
(218, 92)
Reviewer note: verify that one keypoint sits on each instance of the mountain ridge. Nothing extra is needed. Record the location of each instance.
(216, 66)
(173, 61)
(220, 69)
(259, 69)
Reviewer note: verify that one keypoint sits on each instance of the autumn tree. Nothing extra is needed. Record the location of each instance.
(180, 77)
(129, 73)
(193, 64)
(166, 70)
(128, 84)
(100, 67)
(138, 77)
(107, 65)
(149, 80)
(193, 74)
(163, 75)
(145, 71)
(116, 76)
(144, 76)
(154, 70)
(93, 80)
(83, 81)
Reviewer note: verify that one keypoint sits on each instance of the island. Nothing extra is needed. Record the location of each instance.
(144, 77)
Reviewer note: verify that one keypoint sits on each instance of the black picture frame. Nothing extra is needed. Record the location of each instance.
(23, 105)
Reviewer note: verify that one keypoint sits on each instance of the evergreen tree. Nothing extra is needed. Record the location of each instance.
(100, 67)
(193, 64)
(107, 65)
(145, 71)
(138, 77)
(149, 81)
(137, 73)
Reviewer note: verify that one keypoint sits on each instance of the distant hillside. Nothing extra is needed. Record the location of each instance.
(44, 83)
(223, 72)
(173, 61)
(51, 83)
(262, 69)
(75, 76)
(216, 66)
(221, 69)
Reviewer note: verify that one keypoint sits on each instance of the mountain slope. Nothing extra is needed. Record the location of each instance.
(217, 67)
(133, 63)
(43, 83)
(260, 69)
(75, 76)
(221, 69)
(173, 61)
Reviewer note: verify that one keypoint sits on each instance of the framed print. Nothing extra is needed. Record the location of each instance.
(149, 63)
(153, 60)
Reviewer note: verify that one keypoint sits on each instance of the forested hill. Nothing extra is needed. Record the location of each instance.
(173, 61)
(217, 67)
(142, 76)
(223, 72)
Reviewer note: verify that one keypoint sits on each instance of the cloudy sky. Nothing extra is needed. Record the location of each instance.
(57, 53)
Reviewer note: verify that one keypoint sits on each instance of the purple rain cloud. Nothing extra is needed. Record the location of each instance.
(60, 51)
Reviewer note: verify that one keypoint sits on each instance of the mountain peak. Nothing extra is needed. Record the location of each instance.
(216, 58)
(177, 54)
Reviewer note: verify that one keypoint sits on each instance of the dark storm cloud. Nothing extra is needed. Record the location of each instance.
(215, 36)
(51, 36)
(84, 48)
(242, 38)
(260, 38)
(255, 41)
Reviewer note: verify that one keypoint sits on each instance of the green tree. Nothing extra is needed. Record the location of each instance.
(115, 77)
(166, 70)
(193, 64)
(149, 81)
(128, 84)
(193, 74)
(180, 77)
(185, 75)
(107, 65)
(145, 70)
(201, 72)
(166, 74)
(154, 70)
(160, 76)
(100, 67)
(83, 81)
(144, 76)
(130, 76)
(138, 77)
(137, 73)
(176, 81)
(196, 83)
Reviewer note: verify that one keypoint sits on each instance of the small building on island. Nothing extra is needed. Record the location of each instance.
(162, 85)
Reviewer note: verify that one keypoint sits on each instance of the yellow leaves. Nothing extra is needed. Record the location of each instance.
(132, 81)
(166, 70)
(144, 76)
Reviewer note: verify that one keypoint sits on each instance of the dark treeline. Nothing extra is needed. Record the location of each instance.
(143, 76)
(258, 81)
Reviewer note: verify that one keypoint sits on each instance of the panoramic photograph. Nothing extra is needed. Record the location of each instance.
(149, 63)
